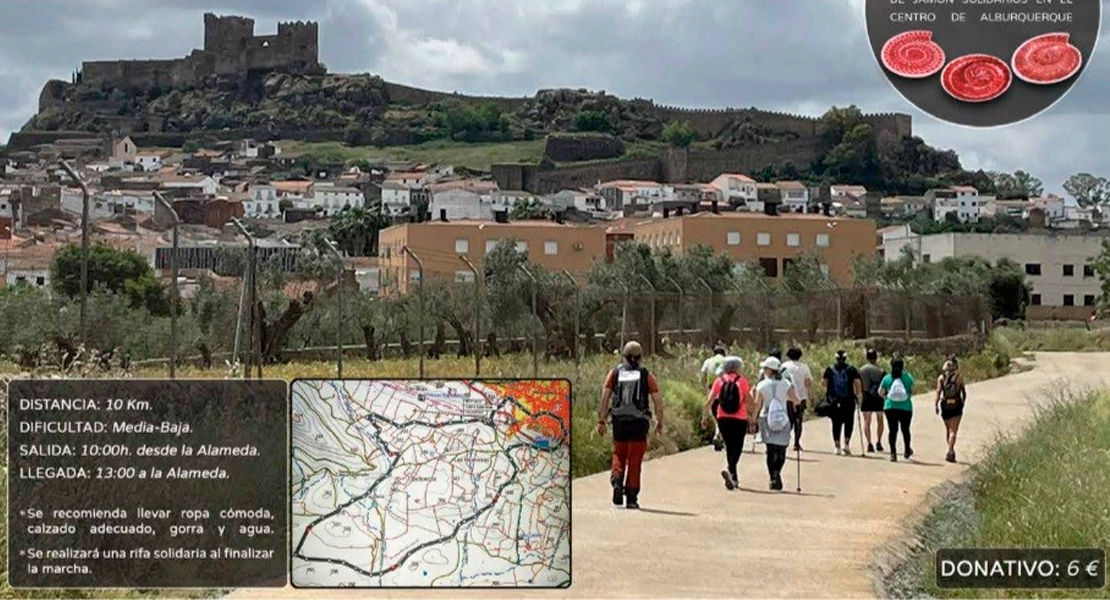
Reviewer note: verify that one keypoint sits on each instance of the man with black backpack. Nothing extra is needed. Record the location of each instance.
(842, 391)
(728, 403)
(633, 391)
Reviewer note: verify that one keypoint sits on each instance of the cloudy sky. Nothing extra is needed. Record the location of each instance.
(786, 55)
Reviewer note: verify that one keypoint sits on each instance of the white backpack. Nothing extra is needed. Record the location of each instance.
(898, 391)
(777, 417)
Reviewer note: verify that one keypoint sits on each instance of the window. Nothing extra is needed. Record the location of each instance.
(1035, 299)
(462, 246)
(770, 266)
(824, 269)
(464, 276)
(1069, 300)
(763, 239)
(1032, 268)
(551, 248)
(733, 238)
(823, 240)
(40, 281)
(522, 247)
(1089, 300)
(490, 245)
(793, 240)
(1069, 270)
(1088, 271)
(414, 275)
(926, 258)
(786, 262)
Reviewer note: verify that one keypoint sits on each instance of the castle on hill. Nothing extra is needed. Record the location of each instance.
(230, 49)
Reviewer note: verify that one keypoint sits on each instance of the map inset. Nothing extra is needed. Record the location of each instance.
(431, 483)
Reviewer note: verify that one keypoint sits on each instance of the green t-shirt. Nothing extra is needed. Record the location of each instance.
(907, 383)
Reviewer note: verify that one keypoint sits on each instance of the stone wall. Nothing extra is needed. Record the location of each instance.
(548, 181)
(412, 96)
(583, 147)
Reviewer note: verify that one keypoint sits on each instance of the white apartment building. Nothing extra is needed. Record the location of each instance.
(628, 192)
(461, 205)
(737, 190)
(962, 200)
(262, 203)
(795, 196)
(333, 199)
(149, 161)
(1057, 265)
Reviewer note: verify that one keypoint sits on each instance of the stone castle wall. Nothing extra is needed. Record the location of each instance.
(230, 48)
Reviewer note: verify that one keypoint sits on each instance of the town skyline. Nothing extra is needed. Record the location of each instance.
(462, 54)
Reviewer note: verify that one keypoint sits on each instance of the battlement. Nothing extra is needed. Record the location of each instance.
(230, 48)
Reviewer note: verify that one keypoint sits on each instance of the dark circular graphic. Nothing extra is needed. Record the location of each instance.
(983, 63)
(913, 54)
(976, 78)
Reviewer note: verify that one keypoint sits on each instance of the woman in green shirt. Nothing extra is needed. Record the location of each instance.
(896, 390)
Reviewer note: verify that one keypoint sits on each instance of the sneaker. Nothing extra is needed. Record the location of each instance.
(797, 447)
(870, 449)
(839, 451)
(909, 453)
(950, 457)
(718, 445)
(893, 457)
(847, 452)
(618, 494)
(730, 481)
(879, 447)
(632, 504)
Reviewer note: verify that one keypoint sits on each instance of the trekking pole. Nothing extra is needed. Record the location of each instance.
(798, 459)
(862, 433)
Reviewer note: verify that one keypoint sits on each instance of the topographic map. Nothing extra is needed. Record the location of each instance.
(431, 483)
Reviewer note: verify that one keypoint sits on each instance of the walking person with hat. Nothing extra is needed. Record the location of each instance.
(710, 369)
(728, 403)
(774, 399)
(633, 392)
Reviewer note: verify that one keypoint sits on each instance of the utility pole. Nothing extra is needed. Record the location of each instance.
(709, 290)
(651, 329)
(252, 297)
(420, 292)
(681, 297)
(338, 308)
(479, 287)
(84, 245)
(577, 319)
(175, 297)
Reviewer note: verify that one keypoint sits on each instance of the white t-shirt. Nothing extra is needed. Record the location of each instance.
(797, 373)
(712, 365)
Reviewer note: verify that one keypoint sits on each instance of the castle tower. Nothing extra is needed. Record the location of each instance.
(227, 34)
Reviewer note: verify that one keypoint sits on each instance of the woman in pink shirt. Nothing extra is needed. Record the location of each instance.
(730, 392)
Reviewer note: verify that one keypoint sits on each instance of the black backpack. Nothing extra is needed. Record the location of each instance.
(729, 397)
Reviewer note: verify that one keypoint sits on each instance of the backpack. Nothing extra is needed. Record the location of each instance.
(630, 398)
(777, 417)
(897, 392)
(729, 396)
(951, 391)
(840, 387)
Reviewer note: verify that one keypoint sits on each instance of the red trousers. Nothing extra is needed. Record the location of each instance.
(628, 457)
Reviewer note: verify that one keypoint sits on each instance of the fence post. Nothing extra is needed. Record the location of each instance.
(420, 294)
(709, 289)
(577, 320)
(681, 297)
(624, 318)
(535, 317)
(338, 309)
(651, 330)
(839, 317)
(175, 296)
(479, 288)
(84, 247)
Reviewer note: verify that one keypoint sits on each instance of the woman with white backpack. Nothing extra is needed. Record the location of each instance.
(774, 399)
(896, 390)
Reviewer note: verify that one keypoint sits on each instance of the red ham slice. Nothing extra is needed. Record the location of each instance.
(976, 78)
(913, 54)
(1047, 59)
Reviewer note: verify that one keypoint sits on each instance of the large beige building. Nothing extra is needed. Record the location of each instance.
(771, 240)
(439, 245)
(1057, 265)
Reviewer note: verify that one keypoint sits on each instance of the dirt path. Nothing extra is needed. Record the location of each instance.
(695, 539)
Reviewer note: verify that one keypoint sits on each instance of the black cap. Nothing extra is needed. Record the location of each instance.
(872, 354)
(776, 353)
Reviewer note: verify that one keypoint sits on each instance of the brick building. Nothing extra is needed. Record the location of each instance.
(556, 246)
(771, 240)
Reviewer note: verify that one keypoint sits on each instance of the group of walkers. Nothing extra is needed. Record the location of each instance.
(773, 410)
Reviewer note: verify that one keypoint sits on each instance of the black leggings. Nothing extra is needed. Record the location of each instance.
(844, 417)
(898, 419)
(797, 417)
(733, 432)
(776, 458)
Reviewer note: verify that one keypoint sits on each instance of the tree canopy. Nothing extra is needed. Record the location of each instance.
(118, 271)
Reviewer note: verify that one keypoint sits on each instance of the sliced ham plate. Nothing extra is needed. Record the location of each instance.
(913, 54)
(1047, 59)
(976, 78)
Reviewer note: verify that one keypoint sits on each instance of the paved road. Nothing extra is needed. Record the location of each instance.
(695, 539)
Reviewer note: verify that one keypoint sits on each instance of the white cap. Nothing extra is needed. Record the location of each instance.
(771, 363)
